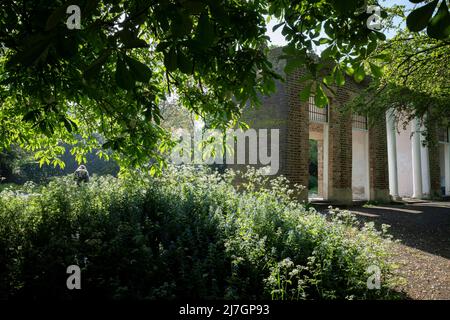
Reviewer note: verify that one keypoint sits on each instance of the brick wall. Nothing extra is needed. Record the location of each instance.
(320, 167)
(435, 169)
(378, 162)
(297, 142)
(272, 114)
(285, 111)
(340, 151)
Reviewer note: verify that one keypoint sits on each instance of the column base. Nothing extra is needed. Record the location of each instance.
(341, 196)
(436, 194)
(380, 195)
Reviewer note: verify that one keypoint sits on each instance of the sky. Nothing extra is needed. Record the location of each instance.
(278, 39)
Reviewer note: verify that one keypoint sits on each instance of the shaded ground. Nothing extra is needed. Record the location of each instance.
(424, 253)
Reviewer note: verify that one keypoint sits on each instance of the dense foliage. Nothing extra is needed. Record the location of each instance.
(186, 234)
(415, 82)
(111, 75)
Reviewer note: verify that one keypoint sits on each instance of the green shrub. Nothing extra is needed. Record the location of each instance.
(186, 234)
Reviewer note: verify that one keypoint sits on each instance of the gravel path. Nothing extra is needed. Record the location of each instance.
(427, 275)
(423, 256)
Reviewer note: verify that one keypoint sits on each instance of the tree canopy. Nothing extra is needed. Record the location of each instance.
(415, 79)
(111, 75)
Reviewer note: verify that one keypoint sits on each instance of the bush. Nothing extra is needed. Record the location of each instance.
(186, 234)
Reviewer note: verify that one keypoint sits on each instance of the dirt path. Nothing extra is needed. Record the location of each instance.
(427, 275)
(423, 256)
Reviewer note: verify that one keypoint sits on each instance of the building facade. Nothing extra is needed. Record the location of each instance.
(355, 160)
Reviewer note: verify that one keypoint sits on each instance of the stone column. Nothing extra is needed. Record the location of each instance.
(425, 163)
(320, 168)
(434, 165)
(340, 156)
(325, 161)
(297, 140)
(416, 159)
(392, 154)
(378, 161)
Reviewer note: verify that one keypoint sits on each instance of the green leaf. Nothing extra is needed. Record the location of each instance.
(294, 63)
(381, 35)
(130, 40)
(329, 52)
(439, 26)
(205, 30)
(69, 124)
(306, 92)
(194, 6)
(123, 76)
(219, 11)
(376, 70)
(35, 49)
(181, 24)
(136, 43)
(320, 98)
(418, 19)
(339, 77)
(94, 68)
(270, 85)
(31, 116)
(126, 36)
(66, 46)
(359, 74)
(305, 77)
(349, 71)
(162, 46)
(289, 49)
(329, 29)
(277, 26)
(55, 17)
(381, 56)
(170, 60)
(139, 71)
(346, 6)
(372, 46)
(90, 6)
(328, 80)
(107, 145)
(184, 63)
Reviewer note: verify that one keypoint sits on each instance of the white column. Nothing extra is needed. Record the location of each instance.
(416, 159)
(392, 154)
(447, 166)
(425, 161)
(325, 162)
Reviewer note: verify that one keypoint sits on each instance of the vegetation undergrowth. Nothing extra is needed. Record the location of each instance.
(188, 233)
